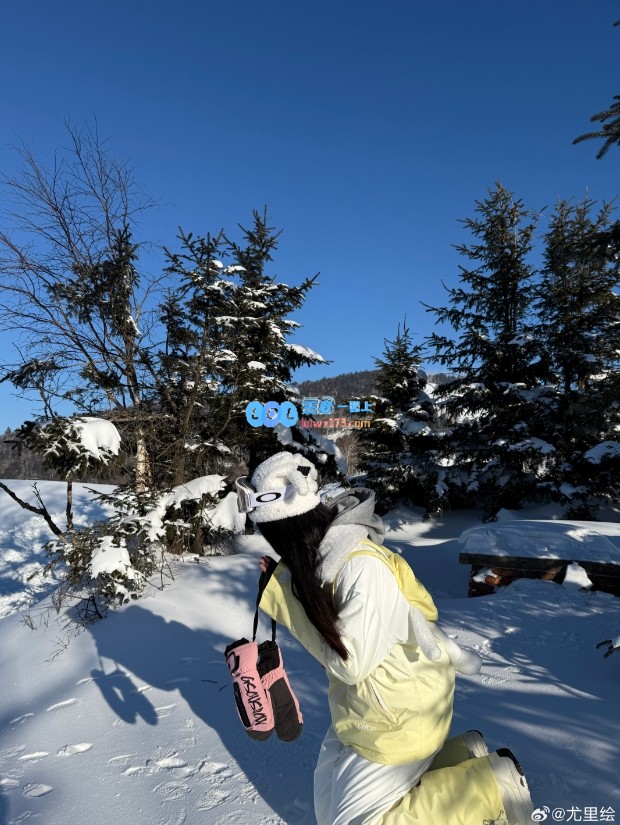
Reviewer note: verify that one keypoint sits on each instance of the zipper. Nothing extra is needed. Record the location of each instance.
(381, 701)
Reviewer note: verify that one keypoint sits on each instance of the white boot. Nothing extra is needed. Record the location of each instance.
(513, 787)
(475, 744)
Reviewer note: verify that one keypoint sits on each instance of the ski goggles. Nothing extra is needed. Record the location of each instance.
(248, 499)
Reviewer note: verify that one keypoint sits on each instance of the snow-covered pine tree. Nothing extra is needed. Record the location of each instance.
(193, 408)
(491, 458)
(579, 320)
(400, 448)
(607, 459)
(258, 334)
(227, 344)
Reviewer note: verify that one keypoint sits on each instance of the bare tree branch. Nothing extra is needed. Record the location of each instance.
(39, 511)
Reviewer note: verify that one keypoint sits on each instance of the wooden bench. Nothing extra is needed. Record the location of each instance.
(496, 561)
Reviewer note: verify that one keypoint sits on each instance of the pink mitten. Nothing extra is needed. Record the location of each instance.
(252, 698)
(286, 713)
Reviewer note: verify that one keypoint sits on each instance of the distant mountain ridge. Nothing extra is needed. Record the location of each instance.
(348, 385)
(354, 384)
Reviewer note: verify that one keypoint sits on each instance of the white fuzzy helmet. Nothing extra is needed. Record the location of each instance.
(294, 477)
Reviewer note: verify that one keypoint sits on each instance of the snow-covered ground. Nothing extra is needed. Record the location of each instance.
(134, 722)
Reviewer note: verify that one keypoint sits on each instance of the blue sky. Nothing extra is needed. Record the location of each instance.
(367, 128)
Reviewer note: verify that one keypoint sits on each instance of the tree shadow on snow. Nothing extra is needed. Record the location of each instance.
(170, 656)
(544, 690)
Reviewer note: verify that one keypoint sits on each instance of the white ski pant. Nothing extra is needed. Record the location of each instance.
(351, 790)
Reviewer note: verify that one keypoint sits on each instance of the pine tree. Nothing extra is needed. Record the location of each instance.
(258, 335)
(495, 361)
(609, 132)
(400, 449)
(579, 320)
(189, 390)
(227, 344)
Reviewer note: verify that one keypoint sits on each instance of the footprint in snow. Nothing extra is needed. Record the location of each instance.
(11, 753)
(178, 818)
(505, 676)
(33, 757)
(69, 750)
(20, 719)
(172, 791)
(214, 768)
(122, 759)
(8, 784)
(171, 762)
(62, 705)
(137, 770)
(212, 798)
(23, 817)
(36, 789)
(164, 710)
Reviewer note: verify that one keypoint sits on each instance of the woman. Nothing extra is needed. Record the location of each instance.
(391, 681)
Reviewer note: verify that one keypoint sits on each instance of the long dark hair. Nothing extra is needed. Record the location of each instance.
(296, 540)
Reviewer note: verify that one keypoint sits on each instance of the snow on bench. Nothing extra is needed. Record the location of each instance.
(502, 552)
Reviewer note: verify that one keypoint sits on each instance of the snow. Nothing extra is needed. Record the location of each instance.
(533, 444)
(135, 720)
(576, 576)
(256, 365)
(23, 537)
(410, 427)
(389, 422)
(283, 434)
(226, 514)
(109, 558)
(132, 322)
(322, 447)
(98, 436)
(534, 538)
(300, 349)
(190, 491)
(195, 489)
(606, 449)
(522, 339)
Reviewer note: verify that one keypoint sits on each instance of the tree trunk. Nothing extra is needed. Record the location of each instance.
(143, 466)
(69, 510)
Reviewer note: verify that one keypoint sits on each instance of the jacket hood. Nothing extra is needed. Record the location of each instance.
(355, 520)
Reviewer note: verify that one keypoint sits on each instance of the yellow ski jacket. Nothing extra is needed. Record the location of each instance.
(388, 701)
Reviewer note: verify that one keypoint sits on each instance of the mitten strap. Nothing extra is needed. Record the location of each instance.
(262, 584)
